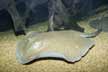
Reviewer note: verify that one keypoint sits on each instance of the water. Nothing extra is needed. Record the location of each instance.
(67, 13)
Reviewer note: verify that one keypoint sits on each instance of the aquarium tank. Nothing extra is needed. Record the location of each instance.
(54, 35)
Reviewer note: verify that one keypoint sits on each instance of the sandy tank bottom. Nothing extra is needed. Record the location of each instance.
(95, 61)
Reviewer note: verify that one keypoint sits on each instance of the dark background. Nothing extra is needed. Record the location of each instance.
(39, 12)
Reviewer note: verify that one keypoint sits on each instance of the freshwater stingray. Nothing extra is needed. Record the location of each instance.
(67, 45)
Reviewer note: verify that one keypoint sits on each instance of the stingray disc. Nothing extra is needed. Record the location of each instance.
(68, 45)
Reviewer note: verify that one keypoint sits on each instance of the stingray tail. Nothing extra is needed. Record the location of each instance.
(91, 35)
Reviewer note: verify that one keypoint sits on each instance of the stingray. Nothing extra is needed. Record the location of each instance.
(100, 24)
(66, 45)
